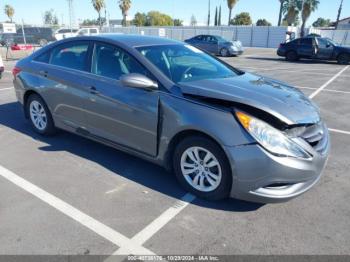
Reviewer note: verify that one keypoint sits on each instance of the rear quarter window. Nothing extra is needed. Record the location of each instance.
(43, 58)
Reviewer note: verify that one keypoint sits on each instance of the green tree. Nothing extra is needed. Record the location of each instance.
(309, 6)
(98, 6)
(50, 18)
(216, 17)
(178, 22)
(193, 20)
(231, 4)
(219, 18)
(9, 11)
(124, 6)
(242, 19)
(321, 22)
(155, 18)
(263, 22)
(140, 19)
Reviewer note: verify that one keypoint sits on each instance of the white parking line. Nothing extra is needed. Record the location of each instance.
(145, 234)
(339, 131)
(127, 245)
(328, 82)
(324, 90)
(6, 88)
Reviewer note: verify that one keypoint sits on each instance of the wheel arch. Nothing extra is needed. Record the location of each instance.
(26, 96)
(181, 136)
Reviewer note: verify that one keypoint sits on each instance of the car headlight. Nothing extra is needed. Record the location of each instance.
(273, 140)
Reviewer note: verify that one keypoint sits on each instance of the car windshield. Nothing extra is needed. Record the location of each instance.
(185, 63)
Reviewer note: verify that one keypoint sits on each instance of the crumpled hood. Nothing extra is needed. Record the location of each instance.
(277, 98)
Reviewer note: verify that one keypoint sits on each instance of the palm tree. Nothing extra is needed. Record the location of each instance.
(291, 9)
(124, 5)
(98, 5)
(281, 11)
(231, 4)
(309, 6)
(9, 11)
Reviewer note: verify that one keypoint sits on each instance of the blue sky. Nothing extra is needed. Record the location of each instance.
(183, 9)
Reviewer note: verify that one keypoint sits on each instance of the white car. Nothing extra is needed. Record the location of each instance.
(86, 31)
(65, 33)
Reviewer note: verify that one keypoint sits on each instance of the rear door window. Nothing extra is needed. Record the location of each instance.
(72, 55)
(306, 41)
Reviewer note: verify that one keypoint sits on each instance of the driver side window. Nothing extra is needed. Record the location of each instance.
(112, 62)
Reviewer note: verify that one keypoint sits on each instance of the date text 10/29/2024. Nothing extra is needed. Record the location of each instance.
(173, 258)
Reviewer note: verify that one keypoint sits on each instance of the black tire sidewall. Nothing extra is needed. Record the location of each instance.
(223, 50)
(50, 127)
(291, 56)
(223, 190)
(343, 59)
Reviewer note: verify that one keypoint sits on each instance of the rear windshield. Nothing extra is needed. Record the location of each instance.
(185, 63)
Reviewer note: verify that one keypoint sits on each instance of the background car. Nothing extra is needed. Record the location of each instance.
(314, 48)
(216, 45)
(39, 35)
(86, 31)
(63, 33)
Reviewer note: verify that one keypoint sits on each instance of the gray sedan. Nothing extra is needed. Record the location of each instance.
(216, 45)
(222, 131)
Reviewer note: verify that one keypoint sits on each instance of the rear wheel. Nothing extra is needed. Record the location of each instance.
(42, 42)
(292, 56)
(202, 168)
(40, 116)
(343, 59)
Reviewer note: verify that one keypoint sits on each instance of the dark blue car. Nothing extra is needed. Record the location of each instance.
(314, 48)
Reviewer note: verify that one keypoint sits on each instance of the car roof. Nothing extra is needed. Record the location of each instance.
(136, 40)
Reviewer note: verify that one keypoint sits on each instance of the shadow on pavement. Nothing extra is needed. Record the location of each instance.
(301, 61)
(130, 167)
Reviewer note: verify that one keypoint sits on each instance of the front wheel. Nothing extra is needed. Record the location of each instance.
(343, 59)
(202, 168)
(40, 116)
(224, 52)
(292, 56)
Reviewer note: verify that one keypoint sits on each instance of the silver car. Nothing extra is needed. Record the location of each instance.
(216, 45)
(222, 131)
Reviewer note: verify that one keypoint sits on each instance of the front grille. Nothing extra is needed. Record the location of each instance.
(316, 136)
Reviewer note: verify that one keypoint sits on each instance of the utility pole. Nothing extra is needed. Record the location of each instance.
(71, 15)
(208, 23)
(339, 13)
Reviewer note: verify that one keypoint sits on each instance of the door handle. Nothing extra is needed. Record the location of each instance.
(94, 91)
(44, 73)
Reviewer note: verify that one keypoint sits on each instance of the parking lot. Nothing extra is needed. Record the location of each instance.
(70, 196)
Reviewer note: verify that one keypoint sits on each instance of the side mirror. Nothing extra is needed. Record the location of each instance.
(328, 45)
(138, 81)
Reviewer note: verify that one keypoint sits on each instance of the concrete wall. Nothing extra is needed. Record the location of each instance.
(250, 36)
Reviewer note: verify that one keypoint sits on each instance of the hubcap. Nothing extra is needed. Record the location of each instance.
(224, 52)
(38, 115)
(201, 169)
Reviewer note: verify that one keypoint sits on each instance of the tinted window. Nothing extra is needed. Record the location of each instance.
(43, 58)
(93, 31)
(323, 43)
(306, 41)
(199, 38)
(113, 62)
(71, 55)
(184, 63)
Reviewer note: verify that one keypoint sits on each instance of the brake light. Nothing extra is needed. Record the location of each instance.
(16, 70)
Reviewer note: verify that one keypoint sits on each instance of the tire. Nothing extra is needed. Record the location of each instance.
(42, 42)
(343, 59)
(216, 169)
(36, 108)
(292, 56)
(224, 52)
